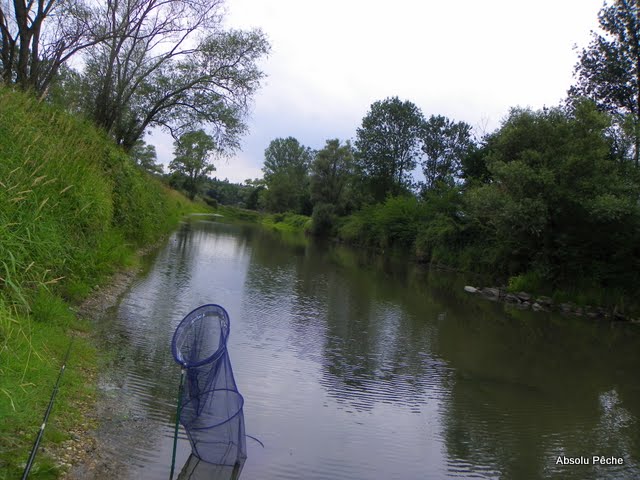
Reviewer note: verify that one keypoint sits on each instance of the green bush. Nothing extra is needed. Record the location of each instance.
(323, 219)
(531, 281)
(440, 232)
(397, 221)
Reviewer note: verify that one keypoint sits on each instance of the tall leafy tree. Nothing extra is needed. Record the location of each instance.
(444, 144)
(192, 152)
(608, 70)
(171, 64)
(286, 168)
(331, 172)
(146, 157)
(39, 36)
(388, 146)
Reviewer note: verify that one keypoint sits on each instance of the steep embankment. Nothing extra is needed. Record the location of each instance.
(73, 208)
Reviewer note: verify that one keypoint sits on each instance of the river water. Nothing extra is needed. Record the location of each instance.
(369, 368)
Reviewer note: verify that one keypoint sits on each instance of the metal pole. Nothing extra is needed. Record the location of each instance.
(34, 449)
(175, 433)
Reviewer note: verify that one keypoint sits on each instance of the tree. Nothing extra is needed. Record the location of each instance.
(191, 158)
(331, 172)
(557, 206)
(255, 186)
(608, 71)
(286, 168)
(474, 165)
(388, 146)
(445, 143)
(39, 36)
(144, 155)
(171, 64)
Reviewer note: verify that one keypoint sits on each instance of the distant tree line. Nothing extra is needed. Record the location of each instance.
(550, 200)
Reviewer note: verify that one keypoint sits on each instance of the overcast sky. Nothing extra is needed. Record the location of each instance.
(469, 60)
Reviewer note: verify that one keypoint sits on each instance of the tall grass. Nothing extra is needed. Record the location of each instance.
(287, 222)
(73, 208)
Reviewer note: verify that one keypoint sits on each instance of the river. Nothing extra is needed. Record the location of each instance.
(360, 367)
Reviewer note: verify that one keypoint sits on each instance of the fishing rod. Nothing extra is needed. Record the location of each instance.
(177, 426)
(34, 450)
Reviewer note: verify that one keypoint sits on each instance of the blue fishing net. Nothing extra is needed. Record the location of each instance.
(210, 404)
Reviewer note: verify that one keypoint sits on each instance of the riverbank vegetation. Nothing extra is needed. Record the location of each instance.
(80, 190)
(547, 203)
(73, 208)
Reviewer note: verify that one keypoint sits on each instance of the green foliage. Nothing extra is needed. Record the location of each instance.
(332, 175)
(531, 281)
(323, 219)
(557, 204)
(388, 147)
(238, 214)
(286, 174)
(439, 232)
(202, 77)
(145, 157)
(191, 158)
(287, 222)
(252, 201)
(474, 166)
(445, 143)
(393, 224)
(73, 207)
(226, 193)
(608, 71)
(397, 221)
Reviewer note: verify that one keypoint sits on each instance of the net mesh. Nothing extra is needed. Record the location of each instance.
(211, 406)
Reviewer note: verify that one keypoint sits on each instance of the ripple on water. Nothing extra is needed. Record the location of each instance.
(346, 374)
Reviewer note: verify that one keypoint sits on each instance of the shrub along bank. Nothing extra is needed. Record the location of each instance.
(73, 209)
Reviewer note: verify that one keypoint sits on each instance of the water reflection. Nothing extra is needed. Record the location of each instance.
(196, 469)
(357, 367)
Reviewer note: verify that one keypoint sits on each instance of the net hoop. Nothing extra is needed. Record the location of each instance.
(195, 316)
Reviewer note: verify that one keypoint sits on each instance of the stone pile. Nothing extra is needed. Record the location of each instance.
(525, 300)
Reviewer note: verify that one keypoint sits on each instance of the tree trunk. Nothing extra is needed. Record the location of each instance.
(636, 120)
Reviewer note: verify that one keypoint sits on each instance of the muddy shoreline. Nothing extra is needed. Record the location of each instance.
(91, 453)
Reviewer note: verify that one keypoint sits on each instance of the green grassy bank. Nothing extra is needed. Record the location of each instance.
(73, 209)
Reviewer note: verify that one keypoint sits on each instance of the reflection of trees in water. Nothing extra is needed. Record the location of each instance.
(528, 388)
(379, 342)
(350, 320)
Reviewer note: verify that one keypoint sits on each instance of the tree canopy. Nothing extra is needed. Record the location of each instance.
(191, 158)
(388, 146)
(286, 168)
(145, 63)
(608, 70)
(444, 144)
(331, 173)
(146, 157)
(39, 36)
(171, 64)
(558, 205)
